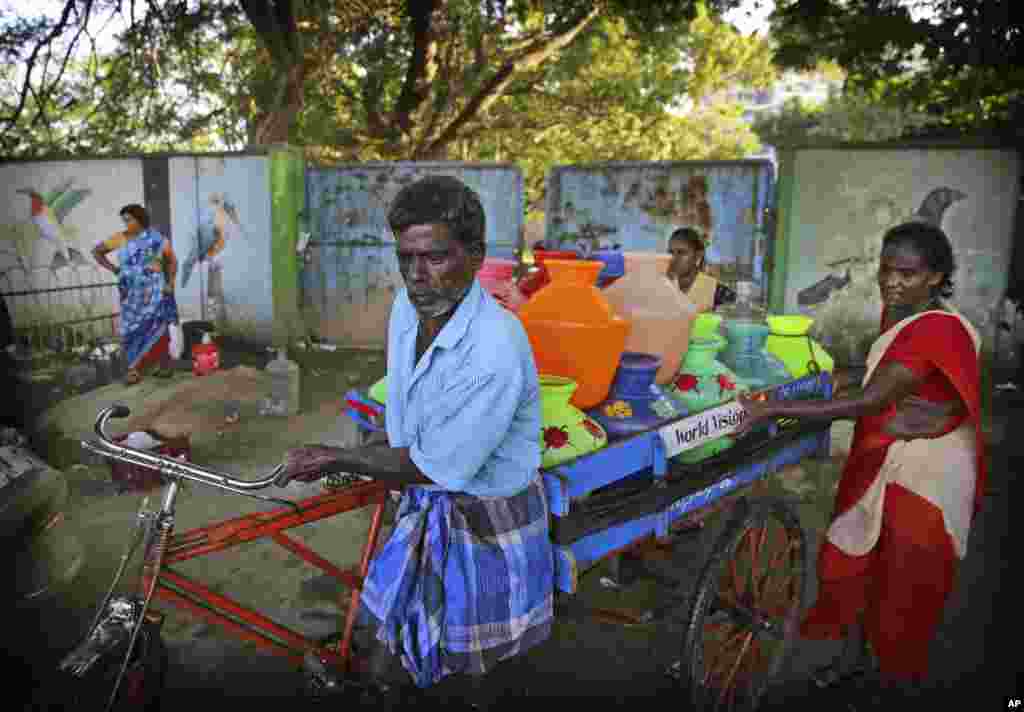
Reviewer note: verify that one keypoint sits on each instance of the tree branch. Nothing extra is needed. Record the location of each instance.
(57, 30)
(435, 113)
(533, 56)
(267, 22)
(422, 67)
(40, 109)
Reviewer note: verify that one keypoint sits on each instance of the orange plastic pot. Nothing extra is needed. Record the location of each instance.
(574, 331)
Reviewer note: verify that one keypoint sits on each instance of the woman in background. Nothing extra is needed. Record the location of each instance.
(146, 268)
(687, 268)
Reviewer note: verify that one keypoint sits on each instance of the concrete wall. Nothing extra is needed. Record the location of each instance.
(350, 276)
(191, 199)
(836, 204)
(639, 204)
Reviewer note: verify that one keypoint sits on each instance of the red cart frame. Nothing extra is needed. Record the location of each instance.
(245, 623)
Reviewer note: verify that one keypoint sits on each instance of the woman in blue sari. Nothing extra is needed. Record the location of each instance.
(146, 268)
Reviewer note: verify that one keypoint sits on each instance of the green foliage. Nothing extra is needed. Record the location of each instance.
(855, 115)
(721, 57)
(958, 61)
(610, 100)
(166, 86)
(350, 78)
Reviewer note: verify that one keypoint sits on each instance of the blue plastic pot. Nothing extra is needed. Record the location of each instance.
(635, 402)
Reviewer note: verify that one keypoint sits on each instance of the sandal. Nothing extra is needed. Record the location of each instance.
(132, 378)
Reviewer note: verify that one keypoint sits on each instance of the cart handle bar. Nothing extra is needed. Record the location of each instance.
(168, 466)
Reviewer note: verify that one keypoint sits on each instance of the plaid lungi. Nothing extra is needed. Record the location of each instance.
(463, 582)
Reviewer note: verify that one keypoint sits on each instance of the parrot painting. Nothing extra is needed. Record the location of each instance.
(212, 236)
(48, 213)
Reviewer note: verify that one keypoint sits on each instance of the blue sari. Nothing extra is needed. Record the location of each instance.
(146, 312)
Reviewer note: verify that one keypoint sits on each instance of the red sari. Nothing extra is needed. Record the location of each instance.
(903, 508)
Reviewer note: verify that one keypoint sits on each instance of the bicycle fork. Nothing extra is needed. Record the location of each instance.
(122, 617)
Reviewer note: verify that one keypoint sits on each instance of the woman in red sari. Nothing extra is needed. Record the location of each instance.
(915, 475)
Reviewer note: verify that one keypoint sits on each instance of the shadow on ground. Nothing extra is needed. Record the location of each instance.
(974, 658)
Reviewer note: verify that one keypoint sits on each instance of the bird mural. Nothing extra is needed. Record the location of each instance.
(211, 238)
(932, 210)
(935, 204)
(846, 309)
(48, 212)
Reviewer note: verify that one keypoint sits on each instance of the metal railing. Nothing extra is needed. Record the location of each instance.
(62, 333)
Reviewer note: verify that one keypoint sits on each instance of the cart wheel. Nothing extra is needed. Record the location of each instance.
(141, 688)
(746, 607)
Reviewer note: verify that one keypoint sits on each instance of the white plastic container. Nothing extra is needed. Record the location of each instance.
(284, 385)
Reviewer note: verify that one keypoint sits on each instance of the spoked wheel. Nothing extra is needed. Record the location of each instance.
(746, 607)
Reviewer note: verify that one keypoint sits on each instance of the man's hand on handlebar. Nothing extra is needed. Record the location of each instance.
(310, 463)
(377, 461)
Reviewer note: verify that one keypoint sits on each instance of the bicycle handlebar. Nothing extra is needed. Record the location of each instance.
(106, 447)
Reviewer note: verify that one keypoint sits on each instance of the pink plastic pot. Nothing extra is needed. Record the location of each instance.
(497, 276)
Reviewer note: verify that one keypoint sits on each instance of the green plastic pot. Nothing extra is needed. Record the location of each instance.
(566, 431)
(704, 382)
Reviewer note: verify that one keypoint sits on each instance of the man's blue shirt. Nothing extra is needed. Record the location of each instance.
(469, 411)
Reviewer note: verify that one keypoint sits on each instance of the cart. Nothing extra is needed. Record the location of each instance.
(626, 503)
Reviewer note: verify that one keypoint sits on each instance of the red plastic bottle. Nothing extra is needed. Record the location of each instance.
(205, 357)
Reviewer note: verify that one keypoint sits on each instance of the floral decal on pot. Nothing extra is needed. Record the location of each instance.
(687, 382)
(664, 408)
(555, 437)
(593, 428)
(704, 382)
(618, 409)
(566, 432)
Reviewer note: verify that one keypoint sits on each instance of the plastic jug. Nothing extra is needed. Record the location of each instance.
(284, 385)
(573, 330)
(205, 357)
(660, 314)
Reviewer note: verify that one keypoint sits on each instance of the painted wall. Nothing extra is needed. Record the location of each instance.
(225, 280)
(838, 205)
(350, 274)
(51, 249)
(639, 204)
(215, 209)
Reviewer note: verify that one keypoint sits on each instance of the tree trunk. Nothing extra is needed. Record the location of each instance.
(276, 125)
